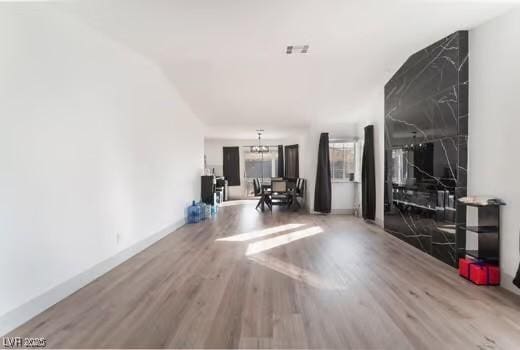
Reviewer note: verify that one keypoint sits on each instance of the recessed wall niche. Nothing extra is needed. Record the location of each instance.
(426, 126)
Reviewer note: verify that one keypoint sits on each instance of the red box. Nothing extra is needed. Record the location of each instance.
(484, 274)
(464, 265)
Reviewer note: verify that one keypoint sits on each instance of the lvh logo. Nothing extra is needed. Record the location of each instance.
(12, 342)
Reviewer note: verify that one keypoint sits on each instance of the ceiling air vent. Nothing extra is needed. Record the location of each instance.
(297, 49)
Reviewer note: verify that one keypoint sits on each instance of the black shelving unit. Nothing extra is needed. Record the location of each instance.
(207, 189)
(487, 231)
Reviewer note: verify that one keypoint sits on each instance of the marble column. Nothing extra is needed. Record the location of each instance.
(426, 130)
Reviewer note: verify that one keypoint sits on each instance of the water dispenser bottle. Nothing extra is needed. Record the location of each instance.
(202, 210)
(207, 211)
(193, 213)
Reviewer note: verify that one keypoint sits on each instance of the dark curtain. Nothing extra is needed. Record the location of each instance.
(368, 176)
(292, 163)
(280, 161)
(231, 165)
(322, 191)
(516, 281)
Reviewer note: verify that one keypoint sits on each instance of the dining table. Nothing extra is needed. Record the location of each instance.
(265, 198)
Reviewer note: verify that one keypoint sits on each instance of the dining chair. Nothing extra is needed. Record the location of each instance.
(300, 191)
(261, 192)
(279, 192)
(279, 186)
(256, 187)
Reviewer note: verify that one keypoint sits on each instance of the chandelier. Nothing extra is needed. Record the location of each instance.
(259, 148)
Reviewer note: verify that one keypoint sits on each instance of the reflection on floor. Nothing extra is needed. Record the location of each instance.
(281, 279)
(295, 272)
(239, 202)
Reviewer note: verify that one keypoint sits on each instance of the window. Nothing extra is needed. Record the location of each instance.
(400, 166)
(342, 161)
(255, 167)
(258, 167)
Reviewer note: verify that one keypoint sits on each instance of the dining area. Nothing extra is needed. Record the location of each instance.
(286, 193)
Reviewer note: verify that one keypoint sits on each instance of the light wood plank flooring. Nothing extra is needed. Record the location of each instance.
(281, 280)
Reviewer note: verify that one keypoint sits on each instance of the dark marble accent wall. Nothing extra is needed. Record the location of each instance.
(426, 129)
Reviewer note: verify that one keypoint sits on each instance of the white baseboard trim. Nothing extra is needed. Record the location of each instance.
(342, 211)
(506, 282)
(25, 312)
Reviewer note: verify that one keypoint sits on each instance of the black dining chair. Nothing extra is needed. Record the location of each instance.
(300, 190)
(257, 189)
(279, 194)
(261, 192)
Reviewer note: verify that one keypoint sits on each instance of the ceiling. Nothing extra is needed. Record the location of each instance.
(227, 57)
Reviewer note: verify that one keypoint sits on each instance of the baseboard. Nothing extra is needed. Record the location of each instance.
(342, 211)
(507, 283)
(27, 311)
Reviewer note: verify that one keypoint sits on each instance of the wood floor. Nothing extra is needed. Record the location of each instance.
(282, 280)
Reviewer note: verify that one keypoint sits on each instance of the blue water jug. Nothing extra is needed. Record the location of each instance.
(202, 208)
(193, 213)
(207, 214)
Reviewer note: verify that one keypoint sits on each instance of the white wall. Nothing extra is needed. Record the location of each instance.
(494, 123)
(94, 142)
(310, 151)
(344, 197)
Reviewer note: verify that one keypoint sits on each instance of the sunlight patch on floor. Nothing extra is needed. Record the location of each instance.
(295, 272)
(270, 243)
(242, 237)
